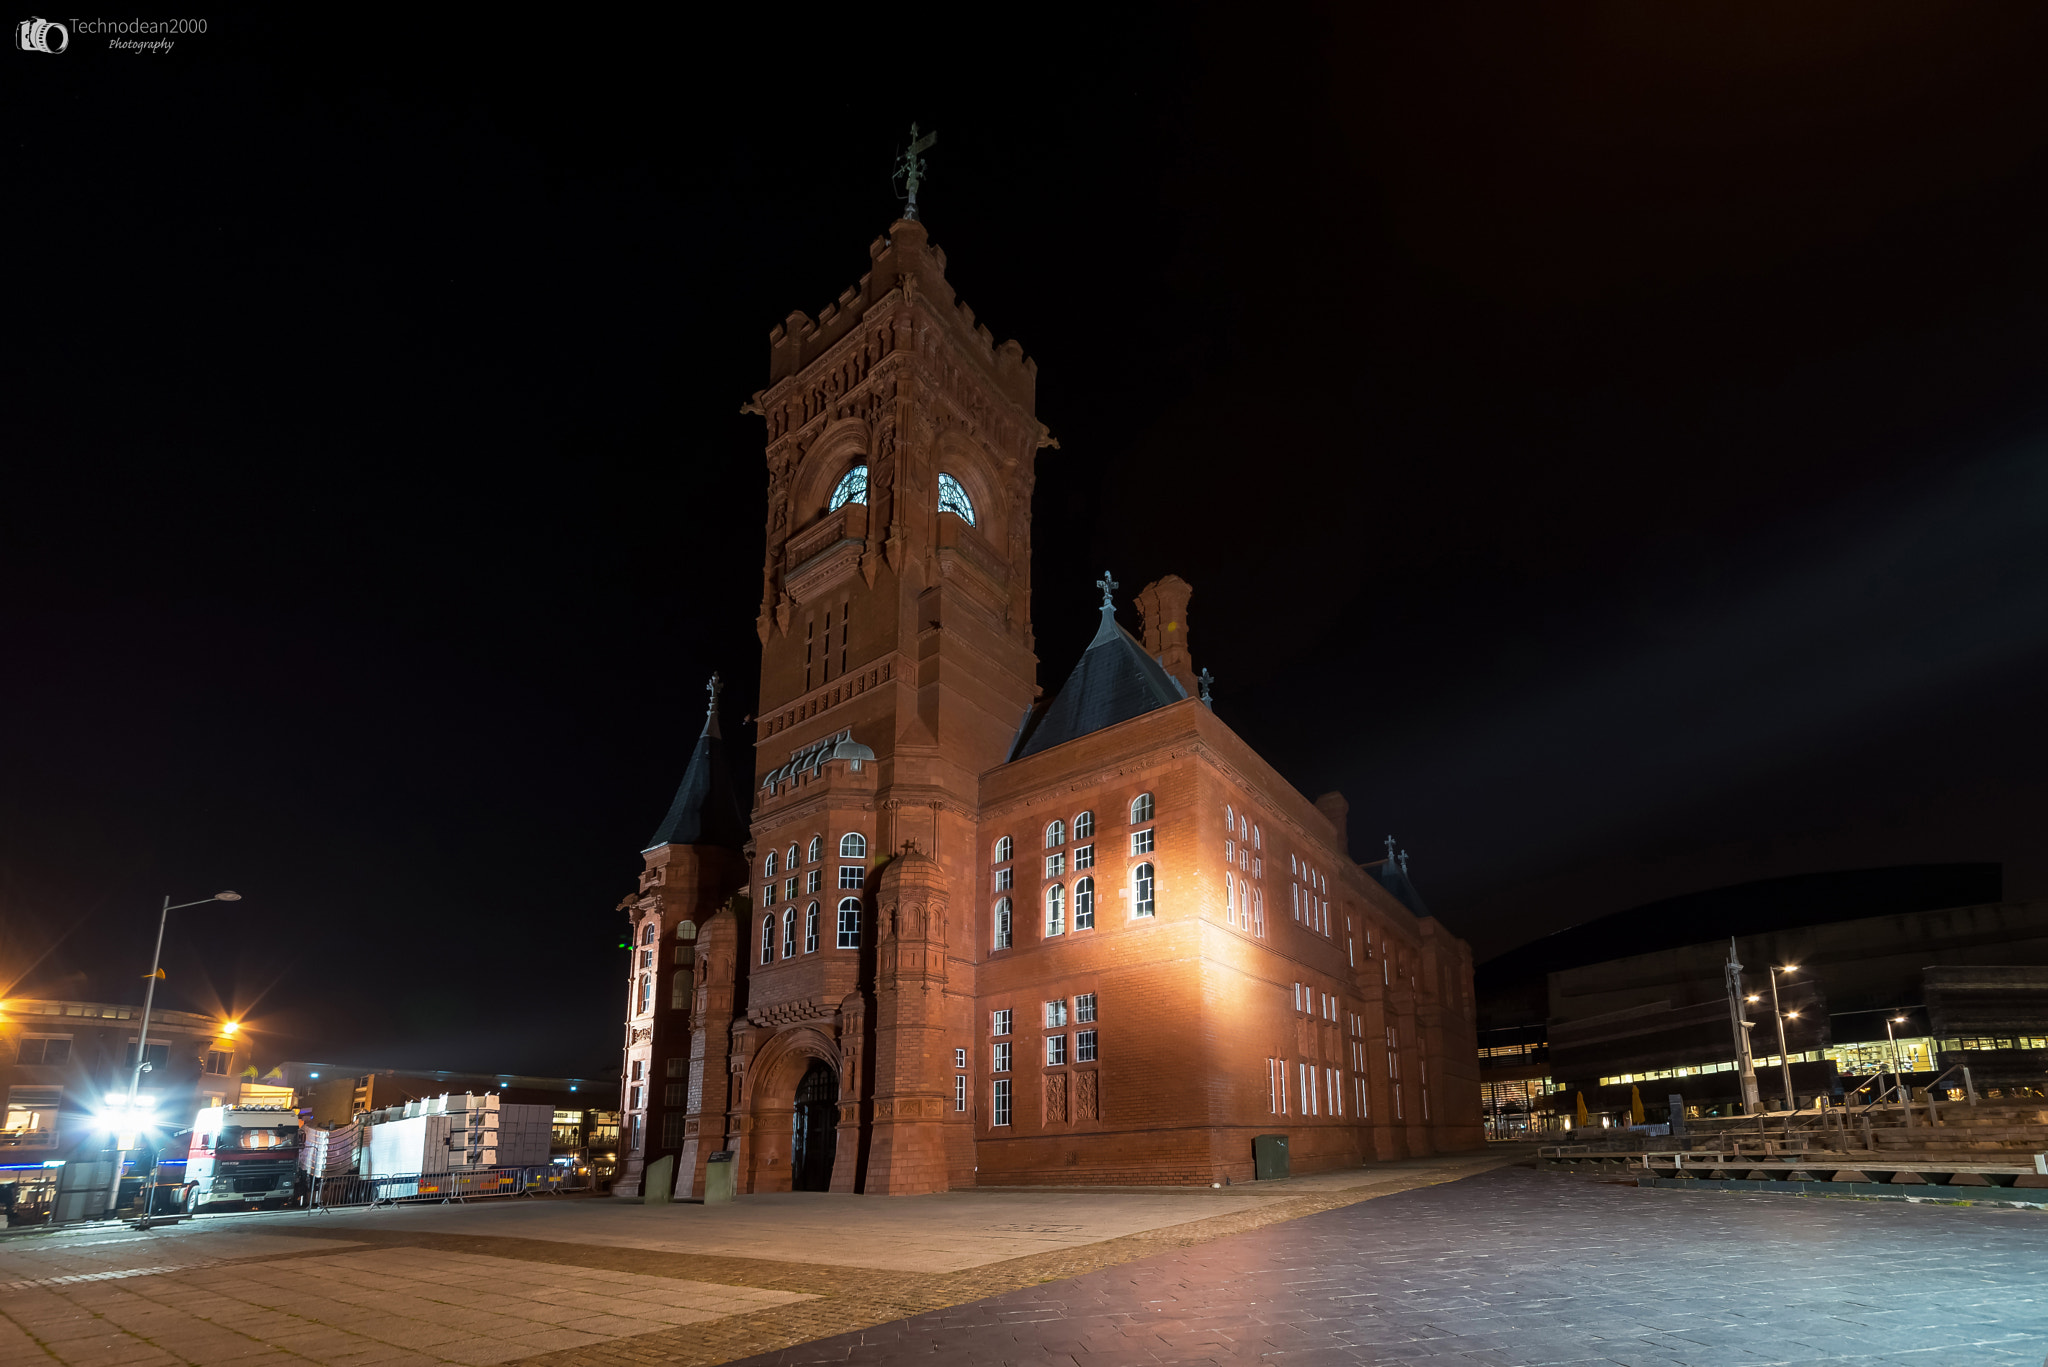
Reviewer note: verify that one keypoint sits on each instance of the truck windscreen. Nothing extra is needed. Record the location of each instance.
(250, 1137)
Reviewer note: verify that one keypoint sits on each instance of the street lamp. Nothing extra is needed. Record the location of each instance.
(1898, 1079)
(1784, 1058)
(149, 997)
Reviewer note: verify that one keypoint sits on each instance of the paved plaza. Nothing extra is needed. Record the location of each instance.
(1448, 1261)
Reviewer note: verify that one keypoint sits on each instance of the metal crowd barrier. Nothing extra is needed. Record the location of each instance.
(541, 1180)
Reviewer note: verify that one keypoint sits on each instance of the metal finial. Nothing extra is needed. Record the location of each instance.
(1390, 849)
(910, 169)
(714, 688)
(1205, 679)
(1404, 861)
(1108, 586)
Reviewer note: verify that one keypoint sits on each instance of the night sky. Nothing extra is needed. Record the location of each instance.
(1609, 445)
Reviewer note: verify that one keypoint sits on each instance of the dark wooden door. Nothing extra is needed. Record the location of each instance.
(815, 1130)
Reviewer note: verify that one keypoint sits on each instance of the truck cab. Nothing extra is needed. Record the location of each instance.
(243, 1156)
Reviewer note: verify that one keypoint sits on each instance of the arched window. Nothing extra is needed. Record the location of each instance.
(1141, 808)
(767, 939)
(1055, 910)
(853, 845)
(646, 993)
(849, 923)
(790, 862)
(789, 932)
(1244, 827)
(647, 933)
(817, 848)
(1084, 825)
(1004, 850)
(811, 928)
(1056, 835)
(953, 499)
(1001, 939)
(1141, 890)
(679, 992)
(1258, 841)
(1084, 904)
(687, 931)
(1229, 818)
(1229, 899)
(852, 488)
(769, 865)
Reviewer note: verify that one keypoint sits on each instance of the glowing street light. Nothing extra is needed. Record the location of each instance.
(228, 1028)
(1784, 1058)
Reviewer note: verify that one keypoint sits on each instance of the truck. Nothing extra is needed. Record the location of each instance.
(243, 1156)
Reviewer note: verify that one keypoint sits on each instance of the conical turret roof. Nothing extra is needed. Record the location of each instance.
(707, 808)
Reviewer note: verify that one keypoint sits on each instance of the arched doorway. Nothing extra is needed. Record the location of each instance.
(814, 1129)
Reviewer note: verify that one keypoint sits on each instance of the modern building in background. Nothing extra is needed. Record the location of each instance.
(61, 1060)
(989, 934)
(1876, 968)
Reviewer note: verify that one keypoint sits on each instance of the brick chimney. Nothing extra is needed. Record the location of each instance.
(1163, 606)
(1337, 812)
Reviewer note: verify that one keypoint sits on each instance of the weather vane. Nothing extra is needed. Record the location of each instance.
(910, 169)
(1107, 585)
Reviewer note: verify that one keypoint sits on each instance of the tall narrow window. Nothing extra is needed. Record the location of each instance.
(768, 867)
(999, 1102)
(1141, 808)
(849, 923)
(789, 932)
(767, 939)
(845, 620)
(959, 1093)
(999, 1022)
(1055, 1051)
(1141, 890)
(1259, 912)
(810, 652)
(825, 674)
(646, 1004)
(1229, 899)
(817, 850)
(1002, 926)
(1084, 1046)
(1055, 910)
(1084, 904)
(811, 928)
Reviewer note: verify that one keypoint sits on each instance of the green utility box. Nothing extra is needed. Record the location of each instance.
(1269, 1156)
(719, 1178)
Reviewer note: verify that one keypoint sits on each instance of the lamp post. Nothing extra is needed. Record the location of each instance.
(149, 996)
(1892, 1039)
(1784, 1058)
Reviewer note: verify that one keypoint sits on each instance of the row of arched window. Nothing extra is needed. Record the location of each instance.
(849, 930)
(1057, 831)
(1144, 904)
(853, 488)
(1244, 903)
(852, 845)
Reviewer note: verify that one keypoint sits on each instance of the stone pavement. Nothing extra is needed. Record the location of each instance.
(1399, 1262)
(593, 1282)
(1518, 1267)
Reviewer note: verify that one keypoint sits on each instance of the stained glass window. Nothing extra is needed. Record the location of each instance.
(952, 498)
(853, 488)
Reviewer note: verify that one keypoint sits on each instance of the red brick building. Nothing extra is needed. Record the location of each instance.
(964, 933)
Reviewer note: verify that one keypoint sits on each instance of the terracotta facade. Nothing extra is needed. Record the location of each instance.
(831, 998)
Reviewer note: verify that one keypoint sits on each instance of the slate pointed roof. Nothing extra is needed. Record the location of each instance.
(1113, 681)
(1395, 879)
(707, 808)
